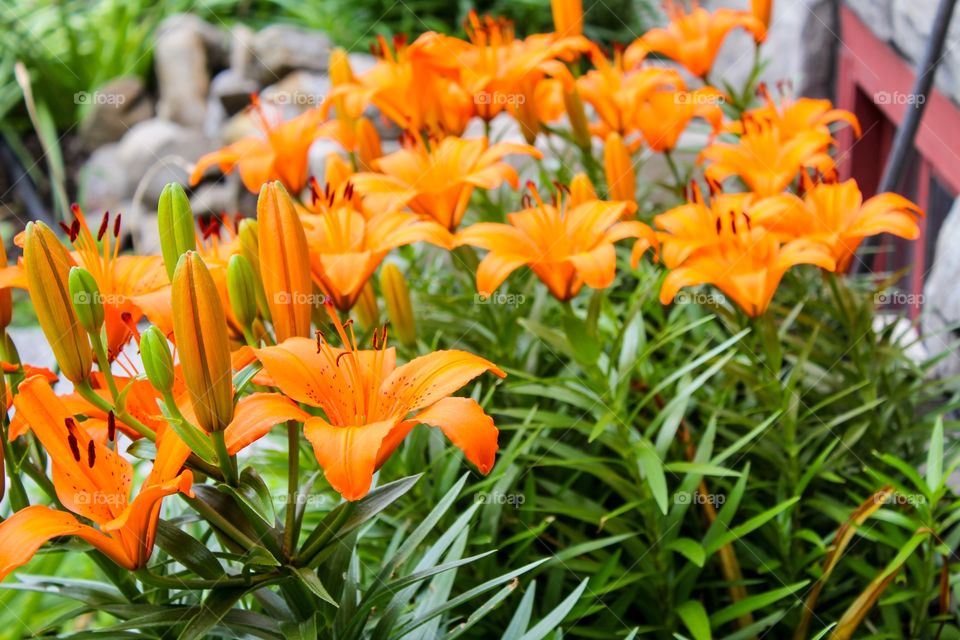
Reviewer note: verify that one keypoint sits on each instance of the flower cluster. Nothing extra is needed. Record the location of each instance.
(256, 310)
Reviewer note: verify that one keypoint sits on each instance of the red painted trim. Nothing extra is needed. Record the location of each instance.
(871, 66)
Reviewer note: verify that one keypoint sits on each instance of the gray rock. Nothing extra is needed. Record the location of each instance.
(216, 43)
(214, 199)
(104, 180)
(232, 90)
(280, 49)
(116, 106)
(241, 48)
(878, 14)
(912, 21)
(941, 304)
(183, 79)
(156, 152)
(298, 92)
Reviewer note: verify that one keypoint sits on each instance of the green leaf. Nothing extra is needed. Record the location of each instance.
(652, 469)
(521, 616)
(701, 469)
(935, 456)
(194, 438)
(188, 551)
(752, 603)
(753, 523)
(310, 579)
(689, 549)
(694, 617)
(216, 605)
(555, 617)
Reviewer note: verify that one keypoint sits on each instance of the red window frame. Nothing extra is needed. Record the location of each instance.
(869, 70)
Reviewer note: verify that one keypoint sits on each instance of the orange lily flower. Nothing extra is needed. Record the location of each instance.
(566, 244)
(497, 69)
(616, 92)
(437, 184)
(837, 216)
(793, 117)
(762, 10)
(281, 154)
(416, 85)
(93, 481)
(567, 17)
(347, 243)
(694, 38)
(618, 169)
(122, 280)
(664, 115)
(765, 159)
(698, 225)
(367, 401)
(747, 267)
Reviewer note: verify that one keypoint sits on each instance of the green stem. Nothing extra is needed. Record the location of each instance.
(668, 156)
(146, 577)
(315, 546)
(104, 363)
(291, 531)
(226, 461)
(91, 396)
(221, 523)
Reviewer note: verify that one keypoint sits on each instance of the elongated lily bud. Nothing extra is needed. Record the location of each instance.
(47, 264)
(157, 361)
(526, 113)
(241, 287)
(621, 180)
(577, 115)
(86, 300)
(340, 71)
(368, 315)
(250, 249)
(200, 332)
(6, 297)
(567, 17)
(581, 190)
(368, 144)
(284, 262)
(399, 310)
(177, 230)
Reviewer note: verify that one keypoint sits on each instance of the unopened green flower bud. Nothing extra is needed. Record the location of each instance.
(177, 230)
(241, 287)
(393, 286)
(157, 360)
(85, 295)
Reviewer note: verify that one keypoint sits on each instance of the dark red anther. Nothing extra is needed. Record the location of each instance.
(74, 230)
(111, 427)
(341, 355)
(719, 226)
(74, 446)
(733, 222)
(91, 454)
(116, 226)
(319, 335)
(103, 225)
(525, 201)
(65, 227)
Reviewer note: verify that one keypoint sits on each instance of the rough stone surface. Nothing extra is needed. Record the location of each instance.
(912, 21)
(878, 14)
(215, 198)
(280, 49)
(116, 106)
(216, 43)
(799, 47)
(232, 90)
(298, 92)
(180, 60)
(104, 180)
(157, 151)
(941, 304)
